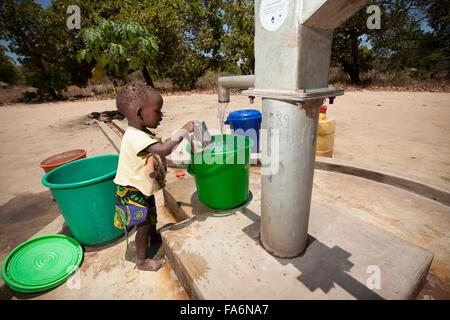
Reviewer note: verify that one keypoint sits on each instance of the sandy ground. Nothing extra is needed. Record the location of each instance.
(404, 132)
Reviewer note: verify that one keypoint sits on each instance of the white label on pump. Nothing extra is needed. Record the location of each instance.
(272, 13)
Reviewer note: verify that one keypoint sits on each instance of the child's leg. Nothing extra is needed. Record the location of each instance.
(154, 236)
(142, 235)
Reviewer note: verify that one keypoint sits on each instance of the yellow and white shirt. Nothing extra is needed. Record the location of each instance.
(136, 166)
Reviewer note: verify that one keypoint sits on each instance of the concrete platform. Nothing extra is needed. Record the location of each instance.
(109, 272)
(218, 256)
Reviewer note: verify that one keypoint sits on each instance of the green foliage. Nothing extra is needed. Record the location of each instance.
(45, 46)
(186, 72)
(347, 52)
(366, 59)
(29, 96)
(54, 78)
(438, 14)
(7, 67)
(233, 68)
(217, 35)
(163, 38)
(400, 44)
(118, 48)
(184, 40)
(238, 42)
(435, 45)
(195, 36)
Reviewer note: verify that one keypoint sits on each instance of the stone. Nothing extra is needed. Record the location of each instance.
(104, 118)
(90, 122)
(94, 115)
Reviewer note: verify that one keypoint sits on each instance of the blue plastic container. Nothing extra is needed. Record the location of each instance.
(246, 123)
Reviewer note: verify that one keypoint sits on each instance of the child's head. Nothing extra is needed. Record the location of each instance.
(141, 104)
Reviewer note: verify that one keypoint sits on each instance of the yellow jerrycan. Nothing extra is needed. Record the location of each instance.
(325, 134)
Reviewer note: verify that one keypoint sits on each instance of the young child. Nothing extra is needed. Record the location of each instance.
(141, 170)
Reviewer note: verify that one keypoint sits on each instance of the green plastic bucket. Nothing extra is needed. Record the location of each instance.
(86, 194)
(222, 176)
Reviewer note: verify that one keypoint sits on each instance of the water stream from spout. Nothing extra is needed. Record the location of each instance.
(221, 107)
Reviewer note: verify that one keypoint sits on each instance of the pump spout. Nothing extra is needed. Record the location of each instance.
(233, 82)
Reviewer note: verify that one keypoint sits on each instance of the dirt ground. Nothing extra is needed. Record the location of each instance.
(403, 132)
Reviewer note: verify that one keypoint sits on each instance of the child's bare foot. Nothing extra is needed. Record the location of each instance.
(150, 264)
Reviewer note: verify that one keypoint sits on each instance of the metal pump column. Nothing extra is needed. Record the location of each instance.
(293, 41)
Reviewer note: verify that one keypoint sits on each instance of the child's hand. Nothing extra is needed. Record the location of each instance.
(166, 148)
(189, 126)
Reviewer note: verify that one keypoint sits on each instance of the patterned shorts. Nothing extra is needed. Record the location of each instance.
(132, 208)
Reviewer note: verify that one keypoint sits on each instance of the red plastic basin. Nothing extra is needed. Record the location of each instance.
(59, 159)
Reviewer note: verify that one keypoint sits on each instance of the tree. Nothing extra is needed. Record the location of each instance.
(238, 42)
(192, 36)
(22, 23)
(45, 46)
(200, 43)
(118, 48)
(7, 67)
(163, 18)
(409, 44)
(346, 51)
(393, 43)
(189, 35)
(218, 34)
(435, 44)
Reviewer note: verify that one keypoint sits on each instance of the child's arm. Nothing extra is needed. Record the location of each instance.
(166, 148)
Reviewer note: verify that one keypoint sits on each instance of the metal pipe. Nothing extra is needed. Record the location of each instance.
(286, 194)
(233, 82)
(293, 41)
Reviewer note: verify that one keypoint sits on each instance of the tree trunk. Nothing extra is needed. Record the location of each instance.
(351, 69)
(127, 78)
(354, 68)
(148, 78)
(115, 85)
(53, 93)
(354, 75)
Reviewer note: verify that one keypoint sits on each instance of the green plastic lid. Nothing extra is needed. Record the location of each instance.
(42, 263)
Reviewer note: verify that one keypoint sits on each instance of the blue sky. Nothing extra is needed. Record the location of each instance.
(44, 3)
